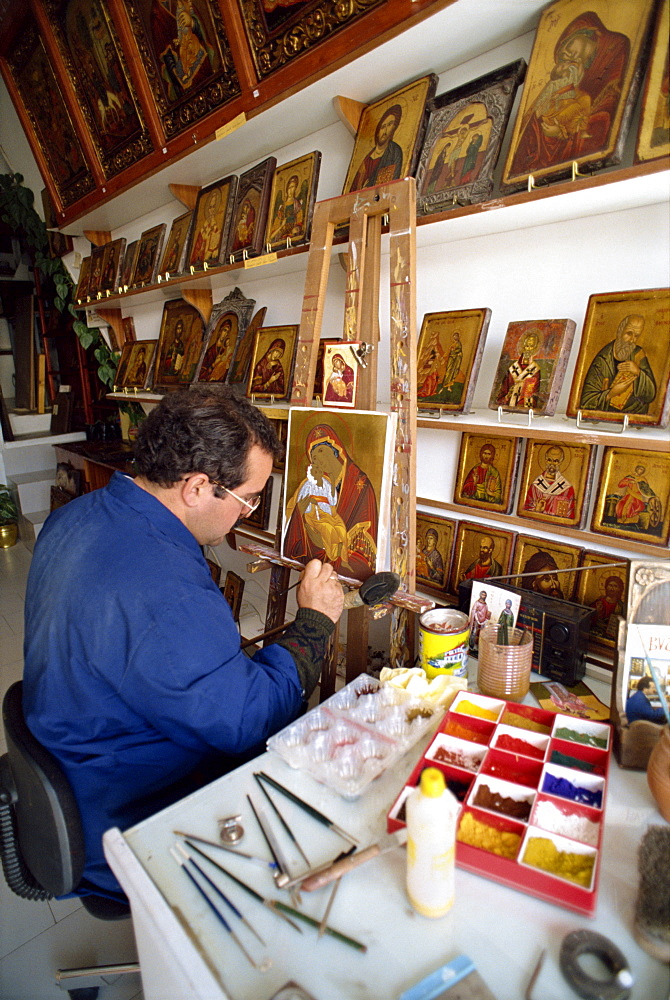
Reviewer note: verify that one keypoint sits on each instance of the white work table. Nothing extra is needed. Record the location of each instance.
(184, 951)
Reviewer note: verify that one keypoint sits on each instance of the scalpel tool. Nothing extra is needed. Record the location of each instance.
(271, 841)
(314, 813)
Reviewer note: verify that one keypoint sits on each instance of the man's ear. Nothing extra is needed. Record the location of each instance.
(193, 489)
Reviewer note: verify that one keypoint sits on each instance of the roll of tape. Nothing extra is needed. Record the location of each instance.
(579, 943)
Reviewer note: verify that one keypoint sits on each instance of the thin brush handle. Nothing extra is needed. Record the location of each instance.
(281, 819)
(314, 813)
(315, 923)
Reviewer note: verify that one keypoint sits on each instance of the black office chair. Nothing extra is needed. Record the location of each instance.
(41, 838)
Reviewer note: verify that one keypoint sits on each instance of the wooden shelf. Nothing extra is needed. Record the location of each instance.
(609, 191)
(549, 429)
(582, 535)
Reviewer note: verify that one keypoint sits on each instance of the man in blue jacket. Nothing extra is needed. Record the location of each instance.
(638, 705)
(133, 675)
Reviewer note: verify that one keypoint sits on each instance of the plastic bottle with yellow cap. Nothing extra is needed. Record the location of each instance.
(431, 844)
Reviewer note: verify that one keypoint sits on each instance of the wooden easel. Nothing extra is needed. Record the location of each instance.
(365, 212)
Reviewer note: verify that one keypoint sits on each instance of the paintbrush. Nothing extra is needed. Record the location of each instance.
(283, 822)
(282, 908)
(265, 900)
(310, 810)
(220, 893)
(217, 912)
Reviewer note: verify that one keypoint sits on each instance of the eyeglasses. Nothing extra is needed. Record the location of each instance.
(252, 503)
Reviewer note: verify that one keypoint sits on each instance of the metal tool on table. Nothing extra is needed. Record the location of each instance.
(280, 817)
(271, 841)
(261, 862)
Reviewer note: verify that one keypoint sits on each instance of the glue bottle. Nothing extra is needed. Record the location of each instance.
(431, 843)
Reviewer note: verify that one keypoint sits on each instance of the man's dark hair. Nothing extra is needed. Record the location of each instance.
(644, 682)
(209, 429)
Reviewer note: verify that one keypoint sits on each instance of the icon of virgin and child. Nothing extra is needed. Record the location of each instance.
(332, 515)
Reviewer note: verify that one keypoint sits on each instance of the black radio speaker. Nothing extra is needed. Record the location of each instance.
(560, 630)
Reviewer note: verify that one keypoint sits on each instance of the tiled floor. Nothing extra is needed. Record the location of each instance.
(36, 938)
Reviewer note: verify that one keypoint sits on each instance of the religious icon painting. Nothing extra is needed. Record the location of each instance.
(550, 563)
(389, 136)
(111, 265)
(148, 256)
(260, 518)
(486, 472)
(211, 224)
(247, 229)
(633, 498)
(238, 373)
(337, 489)
(233, 589)
(280, 427)
(95, 277)
(580, 89)
(128, 326)
(340, 374)
(532, 366)
(449, 354)
(555, 482)
(128, 266)
(623, 365)
(434, 548)
(653, 137)
(93, 58)
(136, 365)
(172, 261)
(186, 55)
(271, 369)
(480, 552)
(82, 291)
(49, 122)
(228, 321)
(603, 587)
(463, 137)
(292, 202)
(180, 344)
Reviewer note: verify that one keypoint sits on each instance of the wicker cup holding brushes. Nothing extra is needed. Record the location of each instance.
(504, 669)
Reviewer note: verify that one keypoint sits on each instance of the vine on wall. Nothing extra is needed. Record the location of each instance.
(17, 210)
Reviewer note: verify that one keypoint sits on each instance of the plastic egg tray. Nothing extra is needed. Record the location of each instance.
(532, 785)
(355, 734)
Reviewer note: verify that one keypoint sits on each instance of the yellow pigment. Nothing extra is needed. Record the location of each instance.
(521, 722)
(489, 838)
(543, 853)
(469, 708)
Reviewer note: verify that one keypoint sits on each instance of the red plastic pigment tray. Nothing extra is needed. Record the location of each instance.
(532, 786)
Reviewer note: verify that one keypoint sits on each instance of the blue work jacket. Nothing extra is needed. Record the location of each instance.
(133, 671)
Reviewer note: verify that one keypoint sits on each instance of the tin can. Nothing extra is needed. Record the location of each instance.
(443, 642)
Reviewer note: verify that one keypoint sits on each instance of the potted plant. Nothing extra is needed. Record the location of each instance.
(9, 515)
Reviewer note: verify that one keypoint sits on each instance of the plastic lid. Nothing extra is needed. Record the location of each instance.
(432, 782)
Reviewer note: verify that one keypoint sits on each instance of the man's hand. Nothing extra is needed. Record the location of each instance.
(320, 590)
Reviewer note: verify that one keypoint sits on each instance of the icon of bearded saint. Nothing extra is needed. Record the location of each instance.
(574, 113)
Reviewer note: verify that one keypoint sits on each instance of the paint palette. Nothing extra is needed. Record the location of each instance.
(356, 734)
(532, 787)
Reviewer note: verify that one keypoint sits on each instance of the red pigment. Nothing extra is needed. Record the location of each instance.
(505, 742)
